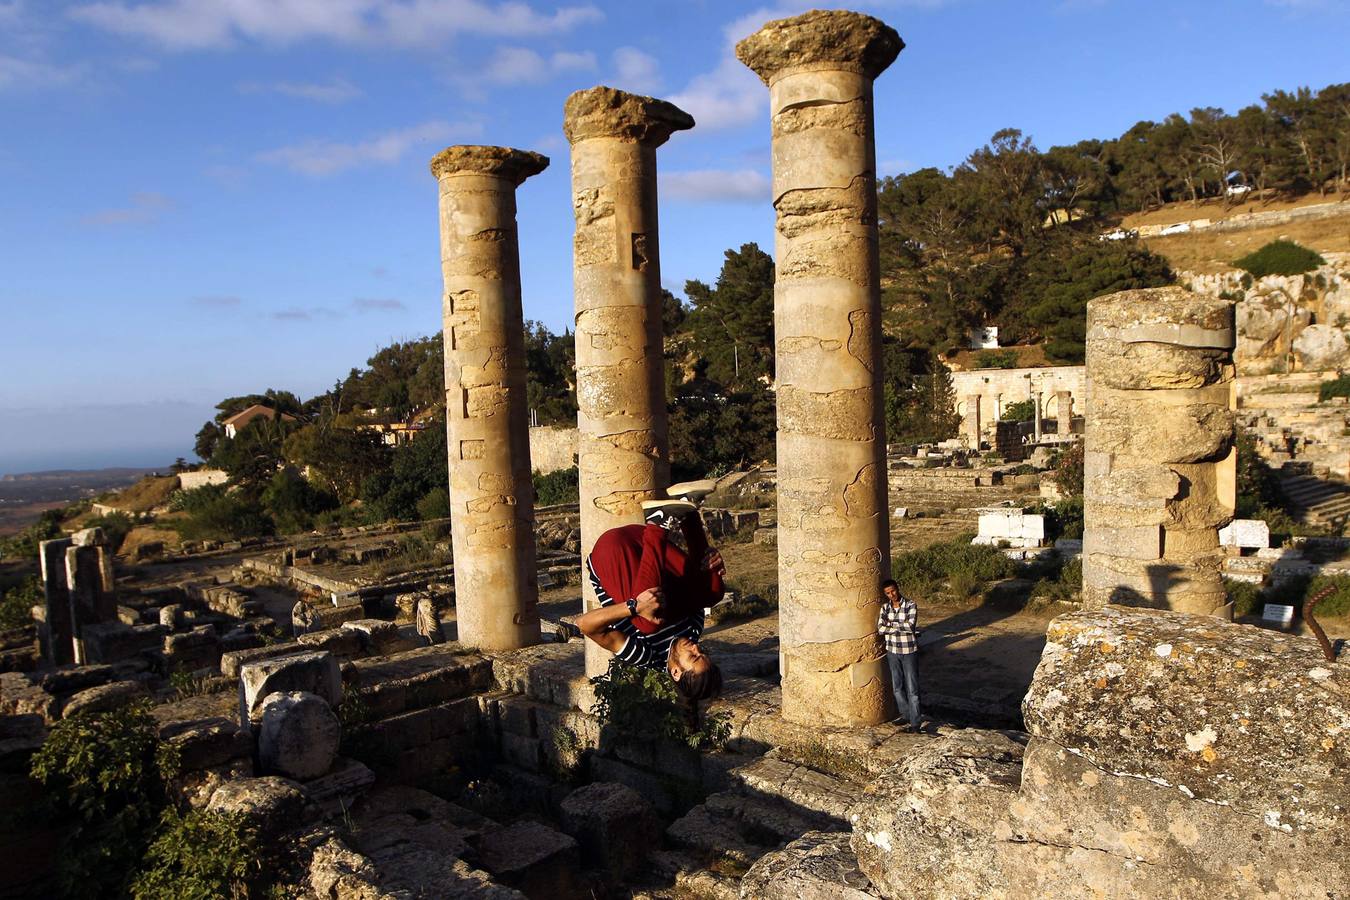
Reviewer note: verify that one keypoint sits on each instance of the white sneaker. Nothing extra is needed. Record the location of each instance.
(693, 491)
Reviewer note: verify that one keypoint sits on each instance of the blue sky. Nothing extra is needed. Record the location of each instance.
(203, 198)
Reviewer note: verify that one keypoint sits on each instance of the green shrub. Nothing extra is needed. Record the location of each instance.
(556, 487)
(116, 526)
(1280, 258)
(200, 856)
(1021, 411)
(996, 359)
(1245, 597)
(293, 501)
(217, 513)
(642, 705)
(1068, 472)
(1064, 586)
(964, 568)
(1337, 387)
(435, 505)
(16, 604)
(24, 545)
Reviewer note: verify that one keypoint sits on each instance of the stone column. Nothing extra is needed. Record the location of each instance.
(58, 627)
(1063, 412)
(622, 451)
(970, 426)
(833, 539)
(1036, 415)
(1159, 459)
(491, 494)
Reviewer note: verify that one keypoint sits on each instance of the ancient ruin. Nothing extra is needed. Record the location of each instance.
(1159, 465)
(833, 538)
(490, 490)
(623, 453)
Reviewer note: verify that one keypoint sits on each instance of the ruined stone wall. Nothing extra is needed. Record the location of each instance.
(833, 536)
(553, 447)
(1159, 462)
(997, 388)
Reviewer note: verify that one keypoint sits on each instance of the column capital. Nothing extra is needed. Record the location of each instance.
(821, 39)
(503, 162)
(607, 112)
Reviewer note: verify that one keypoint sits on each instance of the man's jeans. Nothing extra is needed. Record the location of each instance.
(905, 681)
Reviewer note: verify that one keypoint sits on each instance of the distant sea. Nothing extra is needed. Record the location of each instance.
(78, 459)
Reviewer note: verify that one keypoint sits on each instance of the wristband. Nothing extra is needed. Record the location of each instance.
(632, 607)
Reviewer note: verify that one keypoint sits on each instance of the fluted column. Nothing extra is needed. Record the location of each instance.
(833, 539)
(491, 494)
(623, 452)
(1159, 463)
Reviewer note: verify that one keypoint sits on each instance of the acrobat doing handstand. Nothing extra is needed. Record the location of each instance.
(652, 593)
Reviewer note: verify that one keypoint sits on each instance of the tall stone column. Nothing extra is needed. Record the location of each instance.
(491, 494)
(58, 626)
(1063, 412)
(1036, 414)
(1159, 462)
(970, 425)
(623, 453)
(833, 538)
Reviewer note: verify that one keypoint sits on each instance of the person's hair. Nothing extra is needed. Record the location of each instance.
(889, 582)
(693, 687)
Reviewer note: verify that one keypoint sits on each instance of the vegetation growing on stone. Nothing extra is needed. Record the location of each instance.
(1336, 387)
(956, 568)
(17, 601)
(641, 705)
(1280, 258)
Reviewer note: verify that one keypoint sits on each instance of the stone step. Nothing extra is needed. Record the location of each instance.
(717, 837)
(764, 821)
(817, 866)
(691, 876)
(420, 678)
(803, 790)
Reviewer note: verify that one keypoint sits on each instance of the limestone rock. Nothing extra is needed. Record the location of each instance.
(847, 40)
(503, 162)
(378, 637)
(275, 805)
(1320, 348)
(202, 743)
(1227, 713)
(314, 673)
(532, 857)
(298, 735)
(607, 112)
(337, 872)
(104, 698)
(817, 866)
(614, 825)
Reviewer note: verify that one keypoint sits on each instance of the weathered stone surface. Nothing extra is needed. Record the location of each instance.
(532, 857)
(510, 165)
(835, 39)
(833, 534)
(1321, 348)
(202, 743)
(1166, 315)
(622, 452)
(298, 735)
(275, 805)
(614, 826)
(817, 866)
(605, 112)
(1231, 714)
(104, 698)
(314, 673)
(420, 678)
(377, 636)
(232, 661)
(336, 872)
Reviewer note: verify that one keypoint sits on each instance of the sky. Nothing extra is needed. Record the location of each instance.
(207, 198)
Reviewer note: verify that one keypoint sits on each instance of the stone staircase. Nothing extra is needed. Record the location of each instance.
(1317, 501)
(767, 804)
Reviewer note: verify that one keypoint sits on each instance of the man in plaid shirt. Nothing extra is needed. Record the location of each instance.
(896, 624)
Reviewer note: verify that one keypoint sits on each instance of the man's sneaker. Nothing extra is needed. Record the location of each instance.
(666, 513)
(693, 491)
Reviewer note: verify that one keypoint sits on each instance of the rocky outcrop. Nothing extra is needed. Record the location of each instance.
(1168, 755)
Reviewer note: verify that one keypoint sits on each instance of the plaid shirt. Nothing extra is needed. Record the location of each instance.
(896, 625)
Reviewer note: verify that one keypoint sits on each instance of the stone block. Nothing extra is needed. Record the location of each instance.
(614, 826)
(104, 698)
(377, 637)
(1143, 542)
(524, 752)
(533, 858)
(1247, 534)
(816, 866)
(298, 735)
(204, 743)
(272, 804)
(232, 661)
(1238, 715)
(112, 641)
(314, 673)
(416, 679)
(340, 642)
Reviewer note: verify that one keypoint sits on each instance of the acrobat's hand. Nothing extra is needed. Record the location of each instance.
(712, 562)
(649, 605)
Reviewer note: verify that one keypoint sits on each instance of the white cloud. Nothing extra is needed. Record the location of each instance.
(338, 90)
(728, 96)
(520, 65)
(202, 24)
(636, 71)
(321, 157)
(716, 186)
(360, 305)
(378, 304)
(217, 301)
(16, 73)
(145, 207)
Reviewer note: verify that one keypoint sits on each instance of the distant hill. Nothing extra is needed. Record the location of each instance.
(66, 484)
